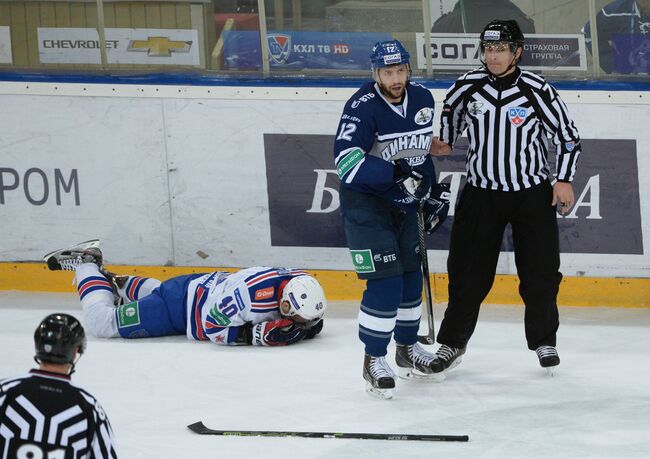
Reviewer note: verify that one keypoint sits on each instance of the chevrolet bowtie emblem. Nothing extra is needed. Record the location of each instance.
(160, 46)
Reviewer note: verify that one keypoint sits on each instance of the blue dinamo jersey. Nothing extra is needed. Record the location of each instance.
(373, 134)
(620, 25)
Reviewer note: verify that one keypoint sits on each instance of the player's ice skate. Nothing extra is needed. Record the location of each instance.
(69, 258)
(449, 357)
(118, 282)
(548, 358)
(414, 362)
(379, 376)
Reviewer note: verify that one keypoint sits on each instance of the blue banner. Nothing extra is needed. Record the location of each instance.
(301, 50)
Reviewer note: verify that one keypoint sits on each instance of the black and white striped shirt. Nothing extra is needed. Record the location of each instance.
(43, 415)
(506, 120)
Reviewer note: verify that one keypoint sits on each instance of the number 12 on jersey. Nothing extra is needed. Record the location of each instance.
(347, 129)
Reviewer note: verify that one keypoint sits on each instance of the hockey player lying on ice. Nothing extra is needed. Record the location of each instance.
(262, 306)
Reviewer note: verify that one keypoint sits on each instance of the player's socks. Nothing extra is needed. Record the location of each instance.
(96, 296)
(137, 287)
(378, 313)
(410, 309)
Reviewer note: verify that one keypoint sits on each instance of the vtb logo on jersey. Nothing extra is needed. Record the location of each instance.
(279, 47)
(517, 115)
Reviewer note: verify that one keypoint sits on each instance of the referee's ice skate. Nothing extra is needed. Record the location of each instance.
(548, 358)
(449, 357)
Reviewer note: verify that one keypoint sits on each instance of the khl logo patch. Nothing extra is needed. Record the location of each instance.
(517, 115)
(279, 47)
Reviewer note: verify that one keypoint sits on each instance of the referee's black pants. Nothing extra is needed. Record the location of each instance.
(479, 223)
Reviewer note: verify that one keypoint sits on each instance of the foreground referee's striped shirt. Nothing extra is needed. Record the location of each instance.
(507, 120)
(43, 415)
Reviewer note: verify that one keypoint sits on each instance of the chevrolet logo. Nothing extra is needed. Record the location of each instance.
(160, 46)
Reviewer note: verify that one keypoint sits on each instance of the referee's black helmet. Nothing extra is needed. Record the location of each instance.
(57, 338)
(502, 31)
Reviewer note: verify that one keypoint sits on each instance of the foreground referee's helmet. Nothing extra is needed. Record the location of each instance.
(57, 338)
(502, 31)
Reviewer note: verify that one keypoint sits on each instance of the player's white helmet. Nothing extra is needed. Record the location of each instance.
(306, 297)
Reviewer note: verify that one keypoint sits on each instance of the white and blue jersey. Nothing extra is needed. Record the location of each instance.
(219, 303)
(211, 306)
(374, 133)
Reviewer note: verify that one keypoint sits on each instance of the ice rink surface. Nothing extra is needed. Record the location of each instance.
(596, 405)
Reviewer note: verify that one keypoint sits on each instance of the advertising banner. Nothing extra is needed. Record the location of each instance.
(5, 45)
(541, 52)
(224, 181)
(73, 169)
(307, 214)
(60, 45)
(301, 50)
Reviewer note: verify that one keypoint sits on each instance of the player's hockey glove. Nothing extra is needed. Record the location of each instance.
(276, 333)
(313, 329)
(436, 207)
(413, 180)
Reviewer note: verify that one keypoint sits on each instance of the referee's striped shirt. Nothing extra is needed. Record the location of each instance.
(43, 415)
(507, 120)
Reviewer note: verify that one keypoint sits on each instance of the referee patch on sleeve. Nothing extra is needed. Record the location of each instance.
(128, 315)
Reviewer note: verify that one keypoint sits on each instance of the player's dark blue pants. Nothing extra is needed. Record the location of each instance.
(479, 224)
(161, 313)
(383, 242)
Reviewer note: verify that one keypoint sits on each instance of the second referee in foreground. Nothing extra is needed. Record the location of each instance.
(507, 113)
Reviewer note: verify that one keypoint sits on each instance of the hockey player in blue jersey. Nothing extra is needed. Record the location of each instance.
(382, 158)
(260, 306)
(623, 28)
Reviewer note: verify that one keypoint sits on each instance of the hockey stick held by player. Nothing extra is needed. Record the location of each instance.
(263, 306)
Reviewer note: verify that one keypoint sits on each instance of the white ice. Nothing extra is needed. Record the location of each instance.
(596, 405)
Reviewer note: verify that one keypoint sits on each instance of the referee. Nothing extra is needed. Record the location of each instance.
(507, 113)
(42, 415)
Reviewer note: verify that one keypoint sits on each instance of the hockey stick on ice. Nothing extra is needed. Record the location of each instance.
(201, 429)
(429, 338)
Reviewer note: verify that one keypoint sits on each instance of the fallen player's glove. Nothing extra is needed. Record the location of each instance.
(313, 328)
(277, 333)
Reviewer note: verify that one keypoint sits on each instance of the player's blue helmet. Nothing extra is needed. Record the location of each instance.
(386, 53)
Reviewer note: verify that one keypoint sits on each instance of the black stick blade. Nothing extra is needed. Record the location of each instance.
(201, 429)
